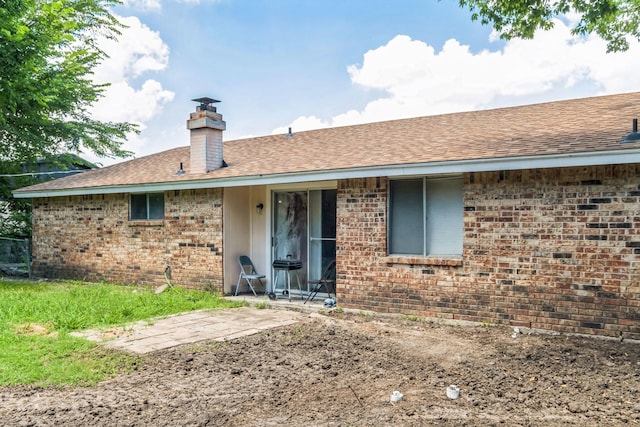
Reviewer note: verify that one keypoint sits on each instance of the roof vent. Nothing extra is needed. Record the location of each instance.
(634, 136)
(290, 134)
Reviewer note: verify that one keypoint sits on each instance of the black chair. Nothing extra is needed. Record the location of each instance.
(327, 281)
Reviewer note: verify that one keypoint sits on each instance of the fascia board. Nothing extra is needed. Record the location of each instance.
(432, 168)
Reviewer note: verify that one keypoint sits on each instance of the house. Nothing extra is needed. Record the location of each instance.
(526, 216)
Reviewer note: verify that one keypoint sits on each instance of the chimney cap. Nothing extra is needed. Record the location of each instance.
(205, 103)
(205, 100)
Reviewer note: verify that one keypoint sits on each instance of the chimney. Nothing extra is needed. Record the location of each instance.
(206, 127)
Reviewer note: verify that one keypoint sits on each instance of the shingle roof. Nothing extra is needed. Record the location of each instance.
(563, 127)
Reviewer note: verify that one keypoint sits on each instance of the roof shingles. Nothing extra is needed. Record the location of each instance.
(562, 127)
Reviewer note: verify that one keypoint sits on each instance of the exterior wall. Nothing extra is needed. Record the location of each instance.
(555, 249)
(260, 245)
(361, 243)
(91, 238)
(236, 217)
(245, 233)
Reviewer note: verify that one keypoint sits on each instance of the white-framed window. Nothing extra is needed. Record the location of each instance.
(146, 206)
(426, 216)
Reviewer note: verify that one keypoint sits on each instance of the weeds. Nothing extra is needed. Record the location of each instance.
(293, 336)
(262, 305)
(210, 287)
(367, 316)
(217, 345)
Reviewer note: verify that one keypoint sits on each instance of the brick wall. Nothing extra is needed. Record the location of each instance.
(91, 238)
(556, 249)
(361, 243)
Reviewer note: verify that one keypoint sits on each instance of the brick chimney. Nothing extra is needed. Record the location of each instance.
(206, 127)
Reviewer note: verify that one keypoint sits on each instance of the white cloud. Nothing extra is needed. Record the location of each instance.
(418, 80)
(124, 103)
(303, 123)
(138, 51)
(198, 1)
(156, 5)
(143, 4)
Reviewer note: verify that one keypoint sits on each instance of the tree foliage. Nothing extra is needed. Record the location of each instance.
(48, 50)
(613, 20)
(15, 214)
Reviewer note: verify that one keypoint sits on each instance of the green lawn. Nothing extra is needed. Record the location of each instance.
(36, 318)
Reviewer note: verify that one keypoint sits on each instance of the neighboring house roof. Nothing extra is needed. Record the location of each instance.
(45, 169)
(564, 133)
(58, 166)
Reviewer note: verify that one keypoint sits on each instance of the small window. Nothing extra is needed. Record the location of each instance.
(147, 206)
(426, 217)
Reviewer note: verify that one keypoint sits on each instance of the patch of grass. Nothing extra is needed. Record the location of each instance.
(487, 323)
(412, 317)
(217, 345)
(58, 361)
(262, 305)
(367, 316)
(293, 336)
(36, 318)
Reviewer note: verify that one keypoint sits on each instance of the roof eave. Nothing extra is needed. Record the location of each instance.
(592, 158)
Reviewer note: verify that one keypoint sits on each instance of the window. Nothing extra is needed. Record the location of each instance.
(426, 217)
(147, 206)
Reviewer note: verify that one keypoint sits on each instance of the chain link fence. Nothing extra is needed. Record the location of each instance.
(15, 257)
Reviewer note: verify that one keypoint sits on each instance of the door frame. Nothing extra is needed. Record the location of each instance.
(270, 190)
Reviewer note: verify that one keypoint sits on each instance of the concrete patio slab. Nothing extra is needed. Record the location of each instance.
(186, 328)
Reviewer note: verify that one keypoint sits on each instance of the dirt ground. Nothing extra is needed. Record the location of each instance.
(340, 370)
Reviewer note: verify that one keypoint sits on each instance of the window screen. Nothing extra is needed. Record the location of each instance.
(147, 206)
(445, 216)
(407, 217)
(426, 217)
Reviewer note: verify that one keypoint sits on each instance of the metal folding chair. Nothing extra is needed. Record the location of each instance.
(248, 273)
(328, 278)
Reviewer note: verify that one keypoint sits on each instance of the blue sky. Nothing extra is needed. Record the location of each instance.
(310, 64)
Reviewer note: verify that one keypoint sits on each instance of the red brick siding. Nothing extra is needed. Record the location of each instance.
(556, 249)
(361, 242)
(91, 238)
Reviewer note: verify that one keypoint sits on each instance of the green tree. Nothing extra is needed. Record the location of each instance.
(613, 20)
(48, 50)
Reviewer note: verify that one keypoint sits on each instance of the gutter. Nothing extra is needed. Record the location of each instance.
(429, 168)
